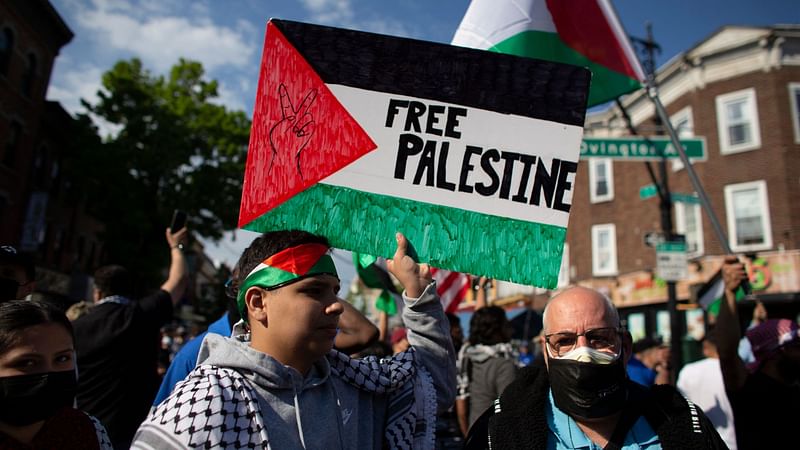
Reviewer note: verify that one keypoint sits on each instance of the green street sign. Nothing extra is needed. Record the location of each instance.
(648, 191)
(685, 198)
(637, 149)
(671, 247)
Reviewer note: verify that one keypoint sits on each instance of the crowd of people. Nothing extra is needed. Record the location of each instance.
(291, 365)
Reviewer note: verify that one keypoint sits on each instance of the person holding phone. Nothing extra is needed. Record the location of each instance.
(117, 342)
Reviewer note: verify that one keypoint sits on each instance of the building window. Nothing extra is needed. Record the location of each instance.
(6, 49)
(683, 123)
(563, 273)
(604, 249)
(737, 120)
(12, 144)
(794, 99)
(601, 180)
(688, 221)
(749, 226)
(55, 179)
(39, 164)
(29, 77)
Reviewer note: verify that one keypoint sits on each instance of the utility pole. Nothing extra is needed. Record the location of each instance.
(649, 49)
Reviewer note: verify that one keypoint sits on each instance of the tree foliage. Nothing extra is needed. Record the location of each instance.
(175, 148)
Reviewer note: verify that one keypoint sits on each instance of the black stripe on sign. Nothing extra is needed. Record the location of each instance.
(487, 80)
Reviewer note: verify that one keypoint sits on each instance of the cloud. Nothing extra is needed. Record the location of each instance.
(382, 26)
(340, 13)
(149, 31)
(75, 84)
(230, 97)
(330, 11)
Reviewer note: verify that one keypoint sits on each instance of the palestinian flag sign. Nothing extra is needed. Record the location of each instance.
(471, 154)
(582, 32)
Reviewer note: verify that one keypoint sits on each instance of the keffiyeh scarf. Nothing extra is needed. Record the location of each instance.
(184, 420)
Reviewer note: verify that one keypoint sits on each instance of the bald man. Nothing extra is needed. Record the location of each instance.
(583, 398)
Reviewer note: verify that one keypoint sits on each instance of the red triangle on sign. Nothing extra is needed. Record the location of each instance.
(297, 260)
(300, 134)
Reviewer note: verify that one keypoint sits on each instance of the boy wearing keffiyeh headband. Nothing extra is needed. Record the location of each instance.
(279, 384)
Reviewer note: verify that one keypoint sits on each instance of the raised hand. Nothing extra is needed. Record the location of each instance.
(291, 134)
(414, 277)
(733, 272)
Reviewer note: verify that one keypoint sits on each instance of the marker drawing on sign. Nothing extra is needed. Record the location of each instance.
(295, 128)
(473, 155)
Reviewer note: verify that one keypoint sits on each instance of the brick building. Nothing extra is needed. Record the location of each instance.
(740, 89)
(41, 211)
(31, 35)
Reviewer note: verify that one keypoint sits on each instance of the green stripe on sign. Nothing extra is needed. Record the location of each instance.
(444, 237)
(606, 85)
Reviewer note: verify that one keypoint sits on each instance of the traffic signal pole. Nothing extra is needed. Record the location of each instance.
(650, 47)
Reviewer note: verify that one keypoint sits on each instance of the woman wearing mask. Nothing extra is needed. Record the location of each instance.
(38, 382)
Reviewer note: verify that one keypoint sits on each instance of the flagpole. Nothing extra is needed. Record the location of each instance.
(651, 88)
(652, 92)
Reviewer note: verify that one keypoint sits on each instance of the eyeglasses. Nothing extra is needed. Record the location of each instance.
(599, 339)
(231, 291)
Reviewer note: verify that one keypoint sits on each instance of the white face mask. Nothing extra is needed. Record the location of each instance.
(589, 355)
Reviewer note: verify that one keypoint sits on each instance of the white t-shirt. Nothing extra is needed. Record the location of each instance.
(701, 382)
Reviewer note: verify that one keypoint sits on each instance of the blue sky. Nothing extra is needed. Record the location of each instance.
(226, 36)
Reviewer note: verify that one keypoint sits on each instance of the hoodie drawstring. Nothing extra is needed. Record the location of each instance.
(340, 418)
(297, 416)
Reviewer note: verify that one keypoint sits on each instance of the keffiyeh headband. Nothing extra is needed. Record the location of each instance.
(286, 267)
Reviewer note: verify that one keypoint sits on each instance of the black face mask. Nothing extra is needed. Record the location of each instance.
(588, 390)
(27, 399)
(8, 289)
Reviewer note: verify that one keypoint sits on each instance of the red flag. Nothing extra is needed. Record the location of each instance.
(452, 287)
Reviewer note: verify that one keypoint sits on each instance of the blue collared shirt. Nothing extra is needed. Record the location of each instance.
(564, 433)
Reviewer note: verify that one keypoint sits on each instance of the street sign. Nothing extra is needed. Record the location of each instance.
(653, 238)
(638, 149)
(685, 198)
(648, 191)
(671, 262)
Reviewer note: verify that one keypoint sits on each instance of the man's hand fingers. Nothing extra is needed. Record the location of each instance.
(402, 246)
(425, 272)
(733, 272)
(175, 238)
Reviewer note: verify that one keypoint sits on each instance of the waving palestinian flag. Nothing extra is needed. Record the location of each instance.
(582, 32)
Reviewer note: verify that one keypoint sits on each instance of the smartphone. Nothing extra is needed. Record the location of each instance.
(178, 220)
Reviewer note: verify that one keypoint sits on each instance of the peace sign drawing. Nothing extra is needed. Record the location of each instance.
(291, 134)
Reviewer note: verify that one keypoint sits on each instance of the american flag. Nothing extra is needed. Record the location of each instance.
(452, 287)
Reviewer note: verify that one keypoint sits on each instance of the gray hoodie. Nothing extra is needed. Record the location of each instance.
(322, 410)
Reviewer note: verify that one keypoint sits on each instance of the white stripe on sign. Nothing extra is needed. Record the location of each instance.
(468, 158)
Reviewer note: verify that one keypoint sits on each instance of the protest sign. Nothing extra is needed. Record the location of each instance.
(471, 154)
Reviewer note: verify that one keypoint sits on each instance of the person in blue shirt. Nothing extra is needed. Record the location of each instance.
(649, 363)
(582, 397)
